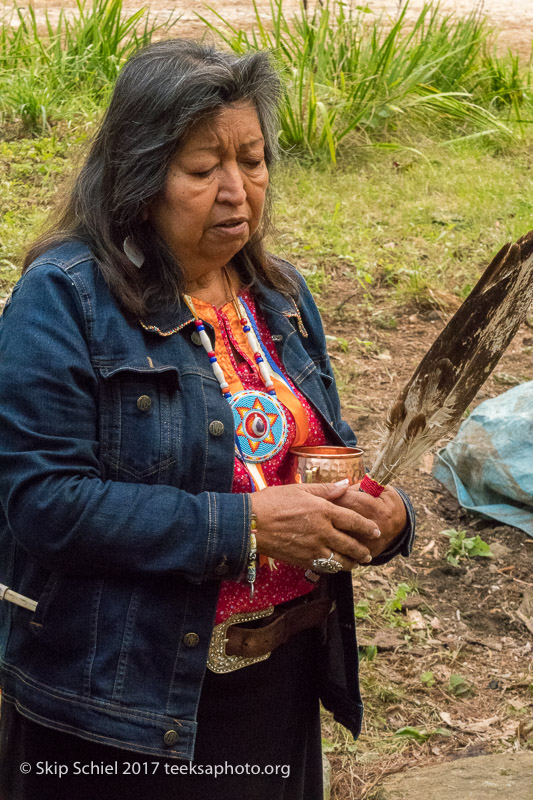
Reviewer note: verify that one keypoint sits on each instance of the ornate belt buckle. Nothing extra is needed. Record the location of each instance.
(217, 659)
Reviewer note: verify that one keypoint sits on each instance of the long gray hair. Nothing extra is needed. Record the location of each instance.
(161, 92)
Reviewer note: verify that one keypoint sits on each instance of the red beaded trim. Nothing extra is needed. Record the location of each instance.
(370, 486)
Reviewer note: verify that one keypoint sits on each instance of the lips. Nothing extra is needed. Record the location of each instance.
(231, 223)
(235, 226)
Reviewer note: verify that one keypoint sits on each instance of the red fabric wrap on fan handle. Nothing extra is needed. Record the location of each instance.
(370, 486)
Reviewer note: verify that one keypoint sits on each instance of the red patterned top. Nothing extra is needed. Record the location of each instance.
(285, 581)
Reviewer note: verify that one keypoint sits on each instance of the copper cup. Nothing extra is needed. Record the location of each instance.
(324, 464)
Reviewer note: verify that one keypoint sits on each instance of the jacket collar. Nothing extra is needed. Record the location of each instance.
(168, 321)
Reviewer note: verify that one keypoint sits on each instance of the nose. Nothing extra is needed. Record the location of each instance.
(231, 187)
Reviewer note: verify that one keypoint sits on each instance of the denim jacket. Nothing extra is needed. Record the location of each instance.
(116, 469)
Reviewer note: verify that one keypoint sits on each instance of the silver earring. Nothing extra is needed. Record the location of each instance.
(133, 253)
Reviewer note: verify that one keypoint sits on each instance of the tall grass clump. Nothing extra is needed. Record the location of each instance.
(351, 75)
(53, 69)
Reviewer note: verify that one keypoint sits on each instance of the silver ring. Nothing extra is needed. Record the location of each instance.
(327, 564)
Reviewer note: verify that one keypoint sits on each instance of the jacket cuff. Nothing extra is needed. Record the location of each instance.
(403, 544)
(230, 517)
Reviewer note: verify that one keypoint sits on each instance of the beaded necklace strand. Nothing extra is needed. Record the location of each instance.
(259, 417)
(252, 341)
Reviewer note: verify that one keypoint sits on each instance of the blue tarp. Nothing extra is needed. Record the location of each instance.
(488, 467)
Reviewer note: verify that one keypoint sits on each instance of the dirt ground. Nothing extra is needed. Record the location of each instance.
(514, 19)
(466, 619)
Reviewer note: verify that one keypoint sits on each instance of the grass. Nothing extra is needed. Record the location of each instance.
(352, 77)
(67, 70)
(31, 172)
(408, 224)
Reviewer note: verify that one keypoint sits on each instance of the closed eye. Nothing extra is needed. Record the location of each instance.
(205, 174)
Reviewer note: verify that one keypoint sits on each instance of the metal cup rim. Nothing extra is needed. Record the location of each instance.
(327, 451)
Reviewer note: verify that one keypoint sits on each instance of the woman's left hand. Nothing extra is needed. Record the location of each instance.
(387, 511)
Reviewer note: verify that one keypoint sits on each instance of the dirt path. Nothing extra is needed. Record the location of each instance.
(514, 19)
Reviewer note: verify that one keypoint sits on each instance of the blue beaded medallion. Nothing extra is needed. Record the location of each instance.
(260, 425)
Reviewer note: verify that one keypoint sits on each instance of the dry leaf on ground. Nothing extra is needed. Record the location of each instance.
(481, 726)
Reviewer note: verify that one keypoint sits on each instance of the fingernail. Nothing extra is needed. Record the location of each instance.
(342, 483)
(376, 533)
(367, 559)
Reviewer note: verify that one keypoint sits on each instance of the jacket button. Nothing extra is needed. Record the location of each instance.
(144, 403)
(221, 569)
(191, 639)
(216, 428)
(170, 737)
(195, 338)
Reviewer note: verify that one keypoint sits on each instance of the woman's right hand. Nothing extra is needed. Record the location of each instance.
(300, 522)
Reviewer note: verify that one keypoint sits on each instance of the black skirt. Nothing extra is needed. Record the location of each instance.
(258, 728)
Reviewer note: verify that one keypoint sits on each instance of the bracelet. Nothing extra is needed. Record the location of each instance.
(251, 571)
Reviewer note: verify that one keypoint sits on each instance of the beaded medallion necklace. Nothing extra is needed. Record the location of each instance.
(260, 422)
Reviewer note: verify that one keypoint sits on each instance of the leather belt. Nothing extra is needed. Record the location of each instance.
(234, 646)
(253, 642)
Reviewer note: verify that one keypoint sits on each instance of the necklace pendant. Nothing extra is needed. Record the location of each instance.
(260, 425)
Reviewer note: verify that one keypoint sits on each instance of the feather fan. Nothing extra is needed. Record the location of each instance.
(447, 379)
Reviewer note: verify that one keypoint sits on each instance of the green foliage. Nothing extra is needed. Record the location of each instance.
(428, 679)
(387, 205)
(316, 280)
(394, 602)
(368, 652)
(44, 77)
(31, 172)
(386, 322)
(362, 609)
(504, 83)
(381, 203)
(459, 686)
(343, 344)
(348, 73)
(463, 547)
(420, 734)
(349, 76)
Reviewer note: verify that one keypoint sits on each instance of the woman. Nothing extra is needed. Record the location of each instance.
(156, 365)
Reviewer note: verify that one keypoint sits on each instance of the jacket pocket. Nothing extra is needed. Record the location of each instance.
(327, 380)
(138, 427)
(38, 619)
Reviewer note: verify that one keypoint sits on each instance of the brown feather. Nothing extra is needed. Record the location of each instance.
(447, 379)
(396, 414)
(416, 426)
